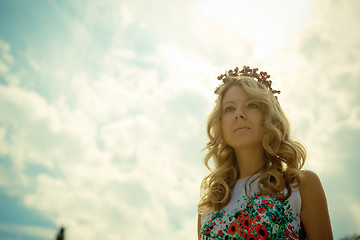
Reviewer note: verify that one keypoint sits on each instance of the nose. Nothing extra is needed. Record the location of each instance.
(239, 114)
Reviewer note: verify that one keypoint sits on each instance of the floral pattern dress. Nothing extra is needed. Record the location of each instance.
(254, 217)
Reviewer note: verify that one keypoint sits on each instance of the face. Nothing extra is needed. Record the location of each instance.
(241, 119)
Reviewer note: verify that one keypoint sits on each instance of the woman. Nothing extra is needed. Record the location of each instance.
(256, 189)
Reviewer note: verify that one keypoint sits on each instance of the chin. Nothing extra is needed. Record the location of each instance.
(246, 145)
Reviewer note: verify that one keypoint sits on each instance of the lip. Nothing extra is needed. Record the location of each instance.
(241, 129)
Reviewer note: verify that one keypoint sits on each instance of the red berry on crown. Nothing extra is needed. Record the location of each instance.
(247, 71)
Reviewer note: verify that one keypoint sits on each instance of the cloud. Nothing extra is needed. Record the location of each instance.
(5, 57)
(258, 22)
(101, 130)
(117, 140)
(122, 169)
(31, 231)
(321, 96)
(320, 87)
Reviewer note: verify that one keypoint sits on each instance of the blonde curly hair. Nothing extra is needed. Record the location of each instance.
(283, 156)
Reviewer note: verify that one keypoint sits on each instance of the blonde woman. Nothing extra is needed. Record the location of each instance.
(256, 188)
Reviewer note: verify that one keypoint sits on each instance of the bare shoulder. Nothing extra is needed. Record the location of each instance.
(314, 211)
(311, 190)
(308, 174)
(310, 181)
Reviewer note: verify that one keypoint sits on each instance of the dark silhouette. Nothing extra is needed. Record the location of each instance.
(61, 234)
(351, 237)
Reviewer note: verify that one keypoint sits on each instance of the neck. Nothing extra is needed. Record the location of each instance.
(249, 160)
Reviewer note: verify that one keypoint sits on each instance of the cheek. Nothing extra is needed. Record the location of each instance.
(224, 121)
(225, 126)
(260, 119)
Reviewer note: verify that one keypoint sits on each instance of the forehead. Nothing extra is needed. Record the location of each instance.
(235, 93)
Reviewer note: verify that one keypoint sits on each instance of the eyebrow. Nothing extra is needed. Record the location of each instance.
(231, 101)
(228, 102)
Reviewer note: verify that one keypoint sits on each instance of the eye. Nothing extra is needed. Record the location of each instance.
(229, 109)
(253, 105)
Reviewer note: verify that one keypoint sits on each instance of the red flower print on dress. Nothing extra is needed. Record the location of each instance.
(246, 222)
(254, 218)
(261, 210)
(240, 217)
(251, 205)
(232, 228)
(271, 205)
(261, 231)
(242, 233)
(251, 237)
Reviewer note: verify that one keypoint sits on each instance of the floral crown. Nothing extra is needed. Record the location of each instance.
(247, 71)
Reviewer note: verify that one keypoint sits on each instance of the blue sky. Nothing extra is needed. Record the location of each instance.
(103, 106)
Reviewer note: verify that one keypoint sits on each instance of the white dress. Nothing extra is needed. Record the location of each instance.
(254, 217)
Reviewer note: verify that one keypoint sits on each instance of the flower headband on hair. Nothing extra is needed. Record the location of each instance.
(246, 71)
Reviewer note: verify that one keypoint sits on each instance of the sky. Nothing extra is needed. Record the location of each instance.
(103, 107)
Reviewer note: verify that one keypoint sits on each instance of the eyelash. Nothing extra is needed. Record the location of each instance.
(250, 105)
(253, 104)
(228, 109)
